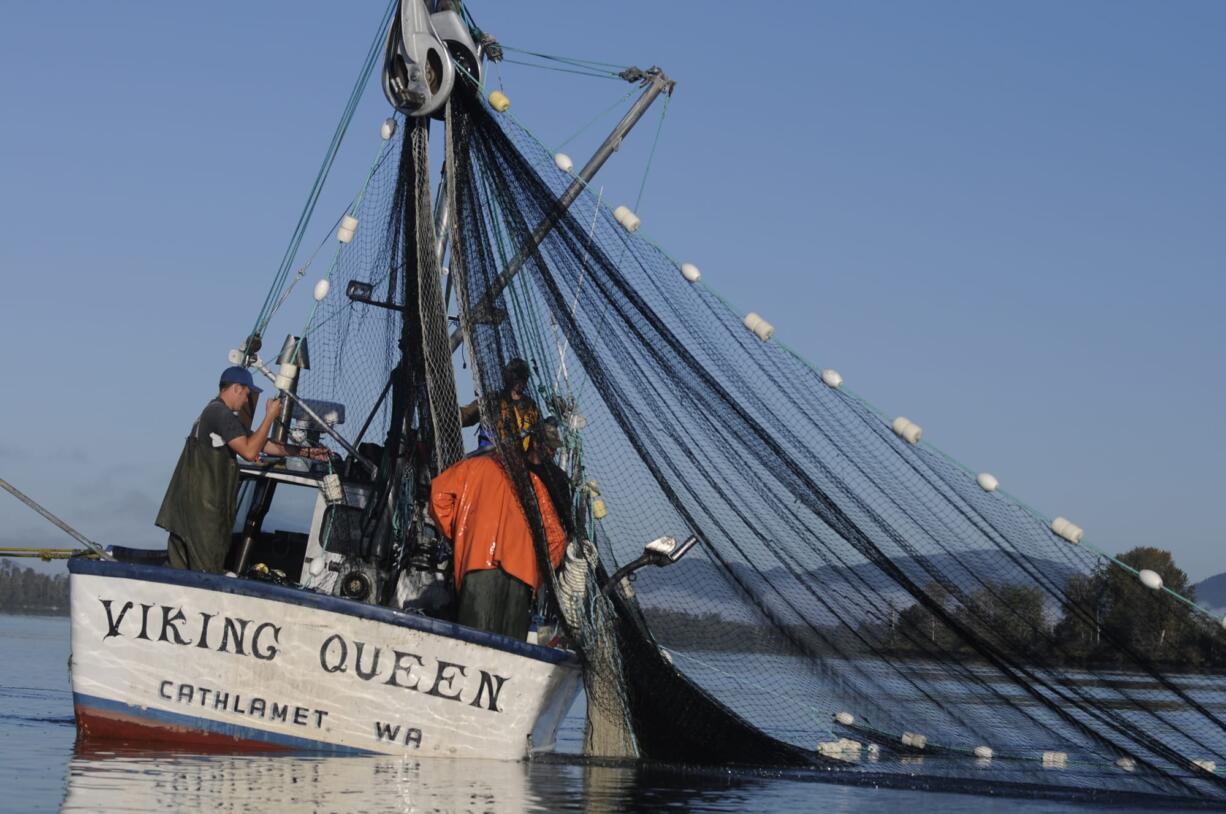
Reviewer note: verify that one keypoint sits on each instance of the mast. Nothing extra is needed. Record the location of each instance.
(656, 82)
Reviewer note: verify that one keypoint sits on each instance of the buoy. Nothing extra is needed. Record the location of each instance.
(1126, 763)
(321, 289)
(986, 482)
(763, 329)
(599, 510)
(845, 718)
(1068, 530)
(1150, 579)
(388, 128)
(983, 752)
(344, 232)
(562, 160)
(499, 101)
(907, 430)
(832, 378)
(914, 740)
(690, 272)
(1055, 760)
(628, 220)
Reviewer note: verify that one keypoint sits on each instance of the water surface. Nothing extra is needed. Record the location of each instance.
(43, 770)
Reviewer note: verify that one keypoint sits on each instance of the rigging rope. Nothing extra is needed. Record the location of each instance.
(308, 209)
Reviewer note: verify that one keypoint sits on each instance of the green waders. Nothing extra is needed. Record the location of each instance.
(493, 600)
(199, 506)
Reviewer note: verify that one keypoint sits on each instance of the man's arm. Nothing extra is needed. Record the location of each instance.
(249, 447)
(288, 450)
(555, 535)
(444, 494)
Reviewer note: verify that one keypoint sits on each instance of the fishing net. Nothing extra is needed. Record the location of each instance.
(858, 603)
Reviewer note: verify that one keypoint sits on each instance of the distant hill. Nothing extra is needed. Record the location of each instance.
(1212, 591)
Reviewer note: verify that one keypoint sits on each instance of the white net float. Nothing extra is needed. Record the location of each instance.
(563, 162)
(761, 328)
(1055, 760)
(344, 232)
(690, 272)
(286, 374)
(628, 220)
(845, 718)
(321, 289)
(987, 483)
(1070, 531)
(1150, 579)
(983, 752)
(907, 430)
(832, 378)
(914, 740)
(330, 485)
(388, 128)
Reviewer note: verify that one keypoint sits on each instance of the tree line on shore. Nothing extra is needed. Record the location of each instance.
(1104, 619)
(24, 590)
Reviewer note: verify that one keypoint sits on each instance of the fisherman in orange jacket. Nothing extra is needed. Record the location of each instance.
(496, 572)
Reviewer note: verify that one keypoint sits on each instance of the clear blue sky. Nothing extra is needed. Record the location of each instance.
(1005, 221)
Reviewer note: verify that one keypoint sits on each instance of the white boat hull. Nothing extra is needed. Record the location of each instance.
(202, 661)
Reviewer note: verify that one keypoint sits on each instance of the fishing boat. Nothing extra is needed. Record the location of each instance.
(858, 604)
(329, 652)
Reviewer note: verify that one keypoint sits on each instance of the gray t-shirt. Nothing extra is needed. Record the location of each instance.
(218, 425)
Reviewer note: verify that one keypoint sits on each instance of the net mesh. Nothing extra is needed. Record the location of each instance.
(841, 569)
(858, 605)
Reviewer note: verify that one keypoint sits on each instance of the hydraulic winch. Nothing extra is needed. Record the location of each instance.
(420, 58)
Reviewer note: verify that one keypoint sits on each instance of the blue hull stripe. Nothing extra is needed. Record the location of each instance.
(160, 719)
(310, 599)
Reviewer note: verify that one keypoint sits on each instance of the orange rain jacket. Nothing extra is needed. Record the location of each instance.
(475, 507)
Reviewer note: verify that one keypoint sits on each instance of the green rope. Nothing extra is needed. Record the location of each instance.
(384, 150)
(576, 71)
(308, 209)
(577, 62)
(595, 119)
(668, 98)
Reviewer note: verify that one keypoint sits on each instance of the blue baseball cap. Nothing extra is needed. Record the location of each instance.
(238, 375)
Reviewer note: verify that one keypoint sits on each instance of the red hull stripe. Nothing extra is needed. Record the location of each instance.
(105, 719)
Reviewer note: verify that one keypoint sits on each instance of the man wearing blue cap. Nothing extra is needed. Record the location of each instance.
(201, 500)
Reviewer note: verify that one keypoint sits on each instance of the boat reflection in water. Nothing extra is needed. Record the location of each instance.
(114, 780)
(148, 781)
